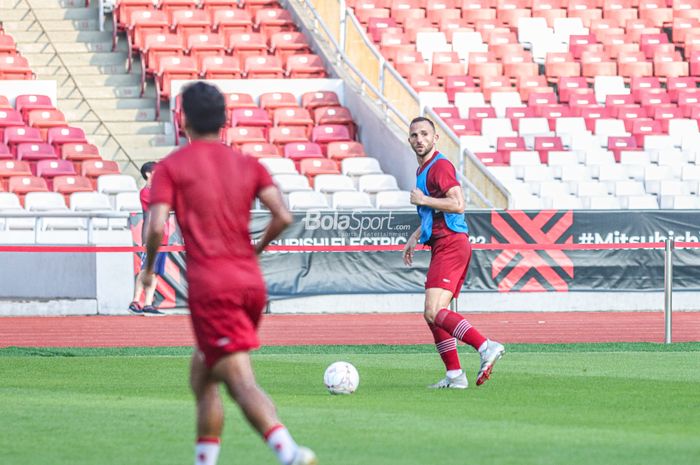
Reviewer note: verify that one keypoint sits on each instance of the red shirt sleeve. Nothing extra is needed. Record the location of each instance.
(163, 186)
(145, 197)
(263, 177)
(441, 178)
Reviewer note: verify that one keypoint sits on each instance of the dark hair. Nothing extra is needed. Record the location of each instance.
(147, 167)
(205, 108)
(420, 119)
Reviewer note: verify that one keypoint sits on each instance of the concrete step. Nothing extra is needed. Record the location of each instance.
(123, 104)
(108, 91)
(146, 141)
(94, 59)
(100, 70)
(144, 154)
(87, 47)
(68, 91)
(50, 71)
(15, 14)
(92, 128)
(53, 4)
(53, 14)
(39, 47)
(72, 24)
(102, 80)
(28, 37)
(81, 36)
(127, 129)
(24, 25)
(127, 115)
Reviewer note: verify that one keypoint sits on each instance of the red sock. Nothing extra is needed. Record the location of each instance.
(457, 326)
(447, 348)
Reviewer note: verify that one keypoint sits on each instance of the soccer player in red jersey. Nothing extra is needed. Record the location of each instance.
(147, 170)
(440, 202)
(211, 188)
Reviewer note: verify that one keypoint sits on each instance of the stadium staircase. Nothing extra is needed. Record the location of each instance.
(62, 41)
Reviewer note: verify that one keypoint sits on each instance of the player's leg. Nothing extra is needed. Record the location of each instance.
(150, 291)
(210, 412)
(448, 269)
(445, 343)
(236, 371)
(135, 306)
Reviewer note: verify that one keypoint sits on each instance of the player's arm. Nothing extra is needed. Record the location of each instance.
(280, 217)
(158, 215)
(452, 203)
(411, 247)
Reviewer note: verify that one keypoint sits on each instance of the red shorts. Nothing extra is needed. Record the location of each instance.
(449, 261)
(229, 324)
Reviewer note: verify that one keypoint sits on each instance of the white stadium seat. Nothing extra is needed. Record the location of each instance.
(351, 201)
(116, 183)
(279, 166)
(394, 200)
(329, 183)
(127, 201)
(358, 166)
(291, 182)
(373, 183)
(307, 200)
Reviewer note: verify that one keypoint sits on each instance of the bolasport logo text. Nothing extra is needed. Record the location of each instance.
(355, 224)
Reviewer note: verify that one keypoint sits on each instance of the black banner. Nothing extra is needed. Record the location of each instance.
(305, 274)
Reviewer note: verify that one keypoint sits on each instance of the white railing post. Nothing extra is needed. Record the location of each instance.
(668, 289)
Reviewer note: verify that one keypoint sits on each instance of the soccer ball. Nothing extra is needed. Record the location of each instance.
(341, 378)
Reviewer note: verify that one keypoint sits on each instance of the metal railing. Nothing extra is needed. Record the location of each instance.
(39, 216)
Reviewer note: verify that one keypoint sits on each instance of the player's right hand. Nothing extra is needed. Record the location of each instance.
(408, 252)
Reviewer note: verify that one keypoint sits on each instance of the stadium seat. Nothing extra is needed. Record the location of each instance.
(27, 102)
(283, 135)
(306, 200)
(393, 200)
(67, 185)
(312, 100)
(218, 67)
(330, 183)
(15, 135)
(351, 201)
(263, 67)
(284, 44)
(346, 149)
(238, 136)
(21, 185)
(271, 101)
(373, 183)
(260, 150)
(291, 182)
(115, 183)
(34, 152)
(65, 135)
(49, 169)
(312, 167)
(279, 166)
(127, 201)
(298, 151)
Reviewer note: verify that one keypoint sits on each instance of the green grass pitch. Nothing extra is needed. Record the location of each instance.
(560, 405)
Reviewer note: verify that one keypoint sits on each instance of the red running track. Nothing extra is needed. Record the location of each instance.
(402, 328)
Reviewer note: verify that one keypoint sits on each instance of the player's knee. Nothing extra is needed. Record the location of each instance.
(429, 314)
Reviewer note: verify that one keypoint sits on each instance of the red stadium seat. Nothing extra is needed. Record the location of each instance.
(9, 117)
(272, 100)
(293, 116)
(63, 135)
(205, 44)
(49, 169)
(220, 67)
(15, 67)
(263, 66)
(505, 145)
(5, 153)
(639, 84)
(618, 144)
(375, 27)
(142, 23)
(226, 20)
(239, 100)
(10, 168)
(674, 84)
(7, 45)
(446, 112)
(260, 150)
(272, 20)
(305, 66)
(34, 152)
(45, 119)
(238, 136)
(92, 169)
(476, 114)
(326, 133)
(282, 135)
(310, 167)
(336, 115)
(158, 46)
(322, 98)
(27, 102)
(22, 185)
(464, 127)
(190, 21)
(558, 65)
(454, 84)
(544, 145)
(246, 44)
(283, 44)
(69, 184)
(346, 149)
(643, 128)
(411, 62)
(77, 153)
(251, 117)
(14, 135)
(298, 151)
(171, 68)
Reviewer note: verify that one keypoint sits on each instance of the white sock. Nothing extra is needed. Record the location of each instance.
(454, 373)
(483, 346)
(206, 451)
(282, 444)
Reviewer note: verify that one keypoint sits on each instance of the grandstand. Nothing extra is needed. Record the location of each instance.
(555, 104)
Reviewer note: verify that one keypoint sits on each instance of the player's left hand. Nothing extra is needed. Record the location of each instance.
(417, 197)
(147, 279)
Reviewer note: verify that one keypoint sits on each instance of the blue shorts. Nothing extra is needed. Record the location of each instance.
(159, 265)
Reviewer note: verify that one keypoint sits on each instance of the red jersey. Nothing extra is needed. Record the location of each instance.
(441, 178)
(211, 187)
(145, 197)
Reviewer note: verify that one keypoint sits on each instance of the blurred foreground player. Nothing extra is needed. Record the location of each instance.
(211, 188)
(440, 202)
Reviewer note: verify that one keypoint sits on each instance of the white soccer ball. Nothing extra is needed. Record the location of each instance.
(341, 378)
